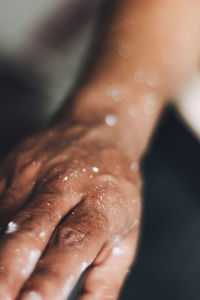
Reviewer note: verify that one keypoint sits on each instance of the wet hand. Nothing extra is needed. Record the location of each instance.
(70, 201)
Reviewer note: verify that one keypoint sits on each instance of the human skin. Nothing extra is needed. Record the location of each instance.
(72, 194)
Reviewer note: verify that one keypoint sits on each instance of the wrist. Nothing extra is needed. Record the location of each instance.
(125, 114)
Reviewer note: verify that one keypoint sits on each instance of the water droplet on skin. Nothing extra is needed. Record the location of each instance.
(135, 224)
(115, 92)
(84, 170)
(117, 251)
(42, 234)
(12, 227)
(117, 239)
(66, 178)
(134, 166)
(48, 204)
(95, 170)
(111, 120)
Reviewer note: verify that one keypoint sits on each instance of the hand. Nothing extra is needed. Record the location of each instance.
(69, 201)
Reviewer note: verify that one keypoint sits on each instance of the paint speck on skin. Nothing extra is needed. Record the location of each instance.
(84, 170)
(66, 178)
(134, 201)
(33, 296)
(135, 224)
(95, 170)
(12, 227)
(42, 234)
(134, 166)
(117, 93)
(111, 120)
(117, 239)
(91, 176)
(68, 286)
(32, 260)
(117, 251)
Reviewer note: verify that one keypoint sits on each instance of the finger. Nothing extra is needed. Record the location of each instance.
(105, 280)
(27, 236)
(16, 192)
(72, 249)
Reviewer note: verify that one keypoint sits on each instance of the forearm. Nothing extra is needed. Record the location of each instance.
(149, 49)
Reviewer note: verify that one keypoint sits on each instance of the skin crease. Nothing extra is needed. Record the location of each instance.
(79, 182)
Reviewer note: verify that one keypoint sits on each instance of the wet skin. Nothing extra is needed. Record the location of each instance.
(70, 200)
(71, 195)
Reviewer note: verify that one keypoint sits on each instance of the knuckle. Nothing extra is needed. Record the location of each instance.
(53, 179)
(25, 165)
(70, 237)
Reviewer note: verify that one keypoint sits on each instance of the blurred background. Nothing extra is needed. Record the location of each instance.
(43, 47)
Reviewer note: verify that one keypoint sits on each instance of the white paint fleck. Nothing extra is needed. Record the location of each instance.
(134, 166)
(84, 170)
(95, 170)
(117, 251)
(33, 296)
(117, 239)
(66, 178)
(68, 286)
(32, 260)
(91, 176)
(135, 224)
(12, 227)
(115, 92)
(42, 234)
(135, 200)
(111, 120)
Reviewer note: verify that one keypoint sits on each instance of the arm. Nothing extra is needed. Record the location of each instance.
(149, 50)
(76, 187)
